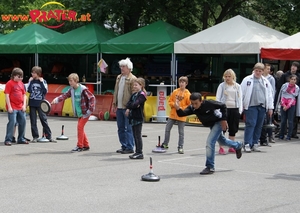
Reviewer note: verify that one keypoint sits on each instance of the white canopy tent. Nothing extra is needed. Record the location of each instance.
(237, 35)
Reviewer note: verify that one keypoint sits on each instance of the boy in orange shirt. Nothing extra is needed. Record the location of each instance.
(183, 96)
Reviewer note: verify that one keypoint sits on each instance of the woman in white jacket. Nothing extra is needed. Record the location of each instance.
(230, 93)
(257, 100)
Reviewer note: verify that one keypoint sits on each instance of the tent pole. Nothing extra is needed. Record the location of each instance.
(36, 59)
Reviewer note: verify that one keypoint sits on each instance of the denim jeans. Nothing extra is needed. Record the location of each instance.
(33, 112)
(216, 134)
(168, 128)
(255, 116)
(17, 116)
(287, 117)
(124, 130)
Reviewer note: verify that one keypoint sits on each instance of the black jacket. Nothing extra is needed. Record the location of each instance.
(136, 106)
(206, 112)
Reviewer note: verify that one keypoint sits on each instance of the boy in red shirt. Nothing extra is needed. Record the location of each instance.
(15, 96)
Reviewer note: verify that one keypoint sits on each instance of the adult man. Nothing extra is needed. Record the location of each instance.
(122, 94)
(268, 133)
(212, 114)
(257, 100)
(283, 79)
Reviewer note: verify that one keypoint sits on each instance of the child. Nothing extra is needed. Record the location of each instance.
(213, 115)
(230, 93)
(37, 87)
(83, 103)
(287, 97)
(15, 96)
(183, 96)
(135, 113)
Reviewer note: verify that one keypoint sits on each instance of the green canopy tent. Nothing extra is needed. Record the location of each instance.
(83, 40)
(156, 38)
(25, 40)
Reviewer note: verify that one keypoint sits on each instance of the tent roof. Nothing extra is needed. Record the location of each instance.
(83, 40)
(156, 38)
(237, 35)
(25, 40)
(285, 49)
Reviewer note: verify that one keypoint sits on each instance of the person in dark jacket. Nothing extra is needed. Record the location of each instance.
(37, 87)
(135, 113)
(212, 114)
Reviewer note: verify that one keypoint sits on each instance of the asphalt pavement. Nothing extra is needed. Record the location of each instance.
(47, 177)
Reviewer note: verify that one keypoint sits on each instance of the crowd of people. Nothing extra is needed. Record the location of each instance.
(258, 97)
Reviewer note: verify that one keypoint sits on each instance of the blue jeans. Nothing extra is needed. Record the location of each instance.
(287, 117)
(124, 130)
(216, 134)
(17, 116)
(255, 116)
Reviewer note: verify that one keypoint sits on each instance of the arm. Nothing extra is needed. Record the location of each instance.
(62, 97)
(141, 98)
(219, 92)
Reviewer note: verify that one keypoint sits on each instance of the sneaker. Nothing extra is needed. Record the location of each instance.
(247, 148)
(136, 156)
(288, 138)
(127, 151)
(119, 150)
(13, 139)
(86, 148)
(34, 140)
(77, 149)
(271, 140)
(231, 150)
(164, 146)
(7, 143)
(238, 151)
(222, 151)
(295, 136)
(180, 150)
(207, 171)
(255, 148)
(52, 140)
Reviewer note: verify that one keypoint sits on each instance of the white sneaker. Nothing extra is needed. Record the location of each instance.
(255, 148)
(247, 148)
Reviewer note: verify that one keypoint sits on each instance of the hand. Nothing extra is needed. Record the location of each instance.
(53, 102)
(41, 79)
(224, 125)
(127, 112)
(30, 79)
(24, 108)
(177, 104)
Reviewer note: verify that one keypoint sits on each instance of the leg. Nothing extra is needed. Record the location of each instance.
(250, 123)
(181, 125)
(290, 118)
(137, 129)
(282, 123)
(44, 122)
(121, 128)
(32, 116)
(82, 140)
(261, 113)
(215, 132)
(129, 136)
(21, 119)
(12, 119)
(168, 128)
